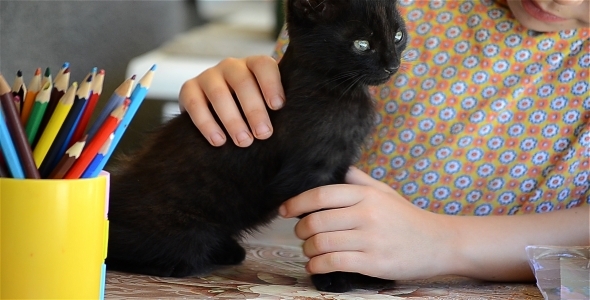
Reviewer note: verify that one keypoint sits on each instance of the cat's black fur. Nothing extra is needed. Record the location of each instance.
(179, 206)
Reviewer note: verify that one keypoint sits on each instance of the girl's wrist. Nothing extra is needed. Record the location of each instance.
(451, 260)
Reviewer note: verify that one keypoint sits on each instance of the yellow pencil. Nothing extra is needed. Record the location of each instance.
(37, 112)
(57, 118)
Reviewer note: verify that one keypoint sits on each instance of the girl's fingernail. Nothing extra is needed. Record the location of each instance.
(276, 103)
(282, 211)
(217, 139)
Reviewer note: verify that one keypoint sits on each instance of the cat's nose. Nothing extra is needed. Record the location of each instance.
(391, 69)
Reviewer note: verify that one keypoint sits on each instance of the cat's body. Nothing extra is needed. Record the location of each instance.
(180, 205)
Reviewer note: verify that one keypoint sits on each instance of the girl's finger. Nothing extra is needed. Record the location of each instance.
(337, 219)
(324, 197)
(266, 71)
(334, 241)
(193, 100)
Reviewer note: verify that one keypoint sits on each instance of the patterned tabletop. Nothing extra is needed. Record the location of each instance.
(277, 272)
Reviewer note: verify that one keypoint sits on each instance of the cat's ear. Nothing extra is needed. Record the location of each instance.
(317, 10)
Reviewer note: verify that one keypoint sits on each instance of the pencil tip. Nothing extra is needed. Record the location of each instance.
(47, 72)
(101, 72)
(153, 68)
(19, 73)
(94, 70)
(38, 71)
(133, 77)
(65, 65)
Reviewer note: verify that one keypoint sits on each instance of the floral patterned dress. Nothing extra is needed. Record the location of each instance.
(486, 117)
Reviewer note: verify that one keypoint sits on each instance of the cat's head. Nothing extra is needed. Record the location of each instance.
(340, 37)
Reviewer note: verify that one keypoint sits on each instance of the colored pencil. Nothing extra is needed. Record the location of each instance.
(17, 132)
(9, 151)
(19, 89)
(137, 97)
(59, 115)
(98, 158)
(47, 77)
(33, 88)
(37, 112)
(3, 169)
(109, 126)
(59, 145)
(119, 95)
(60, 85)
(97, 85)
(68, 159)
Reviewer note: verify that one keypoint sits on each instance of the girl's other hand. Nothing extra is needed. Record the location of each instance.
(254, 80)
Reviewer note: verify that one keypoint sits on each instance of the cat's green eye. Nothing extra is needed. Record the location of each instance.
(362, 45)
(398, 36)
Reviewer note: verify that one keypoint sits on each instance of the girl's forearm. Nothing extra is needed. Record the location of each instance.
(493, 247)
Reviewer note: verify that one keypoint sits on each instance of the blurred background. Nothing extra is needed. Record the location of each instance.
(183, 37)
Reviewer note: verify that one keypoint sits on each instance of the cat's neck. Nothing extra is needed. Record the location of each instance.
(301, 70)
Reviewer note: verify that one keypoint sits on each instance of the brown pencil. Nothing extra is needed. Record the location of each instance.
(16, 129)
(19, 89)
(68, 159)
(60, 85)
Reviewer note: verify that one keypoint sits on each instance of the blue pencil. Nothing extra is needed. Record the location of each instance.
(137, 97)
(98, 158)
(9, 150)
(117, 98)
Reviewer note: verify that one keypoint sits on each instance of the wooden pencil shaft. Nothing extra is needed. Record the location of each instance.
(57, 119)
(9, 151)
(55, 151)
(18, 137)
(16, 130)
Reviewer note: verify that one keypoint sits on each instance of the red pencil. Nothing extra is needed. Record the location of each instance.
(97, 84)
(97, 141)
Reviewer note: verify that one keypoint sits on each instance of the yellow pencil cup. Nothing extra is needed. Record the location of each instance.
(53, 238)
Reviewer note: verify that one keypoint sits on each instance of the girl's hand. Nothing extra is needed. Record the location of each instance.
(366, 227)
(254, 80)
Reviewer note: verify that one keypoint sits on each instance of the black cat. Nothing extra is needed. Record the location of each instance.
(179, 206)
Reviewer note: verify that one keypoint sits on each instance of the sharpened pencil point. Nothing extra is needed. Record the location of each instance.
(153, 68)
(101, 72)
(133, 77)
(47, 72)
(65, 65)
(19, 73)
(38, 71)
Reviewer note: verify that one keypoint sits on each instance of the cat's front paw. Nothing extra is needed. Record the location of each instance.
(336, 282)
(340, 282)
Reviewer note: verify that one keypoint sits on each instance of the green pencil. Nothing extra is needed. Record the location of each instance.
(41, 102)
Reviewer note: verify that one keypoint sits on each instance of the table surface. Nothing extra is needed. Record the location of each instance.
(277, 272)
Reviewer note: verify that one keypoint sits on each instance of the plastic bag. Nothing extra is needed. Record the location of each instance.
(561, 272)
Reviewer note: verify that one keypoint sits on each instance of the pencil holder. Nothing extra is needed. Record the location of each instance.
(53, 238)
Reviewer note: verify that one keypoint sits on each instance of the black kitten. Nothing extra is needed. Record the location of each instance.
(179, 206)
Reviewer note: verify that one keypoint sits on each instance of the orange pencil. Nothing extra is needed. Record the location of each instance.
(33, 88)
(109, 126)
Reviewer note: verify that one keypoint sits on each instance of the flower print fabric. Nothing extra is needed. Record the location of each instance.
(485, 117)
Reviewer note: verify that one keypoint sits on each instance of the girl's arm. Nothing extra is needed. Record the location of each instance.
(366, 227)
